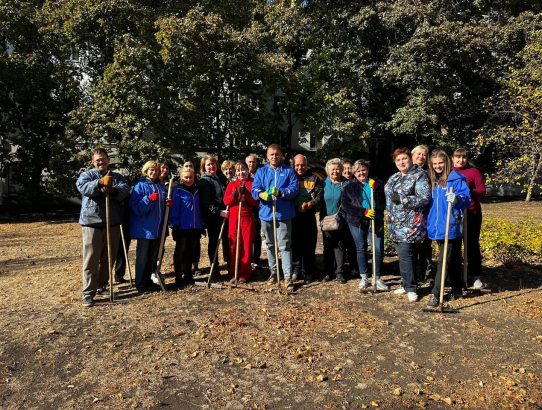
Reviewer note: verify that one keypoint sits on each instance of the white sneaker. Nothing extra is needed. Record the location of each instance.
(363, 283)
(478, 284)
(412, 296)
(381, 285)
(400, 291)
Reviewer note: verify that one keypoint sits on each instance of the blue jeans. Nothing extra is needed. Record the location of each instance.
(146, 257)
(407, 264)
(362, 236)
(284, 239)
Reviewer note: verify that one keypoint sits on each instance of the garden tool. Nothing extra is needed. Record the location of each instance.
(372, 184)
(238, 240)
(108, 238)
(441, 308)
(465, 252)
(126, 255)
(277, 262)
(215, 257)
(157, 274)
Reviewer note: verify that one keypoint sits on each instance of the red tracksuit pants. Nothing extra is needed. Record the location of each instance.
(246, 241)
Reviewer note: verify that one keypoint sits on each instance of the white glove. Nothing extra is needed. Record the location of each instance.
(450, 197)
(154, 279)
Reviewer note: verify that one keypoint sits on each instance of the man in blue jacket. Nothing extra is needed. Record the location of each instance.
(277, 183)
(94, 185)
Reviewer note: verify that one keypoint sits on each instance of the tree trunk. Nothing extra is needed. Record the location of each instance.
(534, 175)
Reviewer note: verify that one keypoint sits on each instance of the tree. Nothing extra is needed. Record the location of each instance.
(37, 89)
(514, 132)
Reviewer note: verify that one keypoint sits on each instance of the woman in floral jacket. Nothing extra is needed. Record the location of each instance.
(407, 194)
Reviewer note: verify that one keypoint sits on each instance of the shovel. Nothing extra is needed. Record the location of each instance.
(441, 308)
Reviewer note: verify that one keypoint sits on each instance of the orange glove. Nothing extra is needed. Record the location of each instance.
(106, 181)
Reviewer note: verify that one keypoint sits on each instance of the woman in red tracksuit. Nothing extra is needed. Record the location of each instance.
(239, 190)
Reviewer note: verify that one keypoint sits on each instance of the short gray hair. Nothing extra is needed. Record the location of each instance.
(334, 161)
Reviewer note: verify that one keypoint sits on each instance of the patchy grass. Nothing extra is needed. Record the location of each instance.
(327, 346)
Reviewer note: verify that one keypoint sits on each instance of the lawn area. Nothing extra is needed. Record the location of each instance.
(326, 346)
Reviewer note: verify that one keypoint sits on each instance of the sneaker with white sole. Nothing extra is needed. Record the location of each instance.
(399, 291)
(412, 296)
(363, 283)
(381, 285)
(478, 284)
(87, 301)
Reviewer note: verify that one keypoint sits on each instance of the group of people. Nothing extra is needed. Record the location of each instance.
(282, 201)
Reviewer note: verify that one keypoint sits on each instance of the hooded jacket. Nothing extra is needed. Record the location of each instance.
(436, 221)
(285, 180)
(93, 200)
(147, 217)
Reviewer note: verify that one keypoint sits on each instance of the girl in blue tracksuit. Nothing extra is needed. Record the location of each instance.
(187, 224)
(443, 178)
(147, 205)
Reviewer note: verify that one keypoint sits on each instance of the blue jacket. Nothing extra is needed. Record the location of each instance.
(436, 221)
(93, 200)
(185, 212)
(285, 180)
(146, 217)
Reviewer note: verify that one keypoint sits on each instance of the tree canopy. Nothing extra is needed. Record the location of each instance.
(181, 76)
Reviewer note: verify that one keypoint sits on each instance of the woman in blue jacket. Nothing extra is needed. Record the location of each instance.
(449, 186)
(147, 205)
(187, 225)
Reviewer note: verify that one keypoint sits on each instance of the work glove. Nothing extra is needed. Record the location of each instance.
(235, 194)
(275, 192)
(106, 181)
(451, 197)
(264, 196)
(153, 197)
(372, 184)
(242, 190)
(369, 213)
(169, 202)
(395, 198)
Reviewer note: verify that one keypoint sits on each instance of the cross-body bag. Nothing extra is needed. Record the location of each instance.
(332, 222)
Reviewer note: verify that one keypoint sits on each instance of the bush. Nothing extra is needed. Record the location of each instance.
(508, 242)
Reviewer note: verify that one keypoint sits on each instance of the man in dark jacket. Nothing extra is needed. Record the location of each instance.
(304, 228)
(94, 185)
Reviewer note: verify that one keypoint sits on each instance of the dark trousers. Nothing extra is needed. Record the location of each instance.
(146, 256)
(424, 258)
(304, 235)
(474, 256)
(407, 264)
(186, 241)
(334, 251)
(213, 231)
(350, 252)
(362, 236)
(453, 266)
(120, 260)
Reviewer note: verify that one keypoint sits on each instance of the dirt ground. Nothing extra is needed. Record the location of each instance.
(327, 346)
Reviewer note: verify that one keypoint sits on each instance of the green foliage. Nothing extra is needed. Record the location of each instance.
(508, 242)
(191, 76)
(515, 130)
(133, 154)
